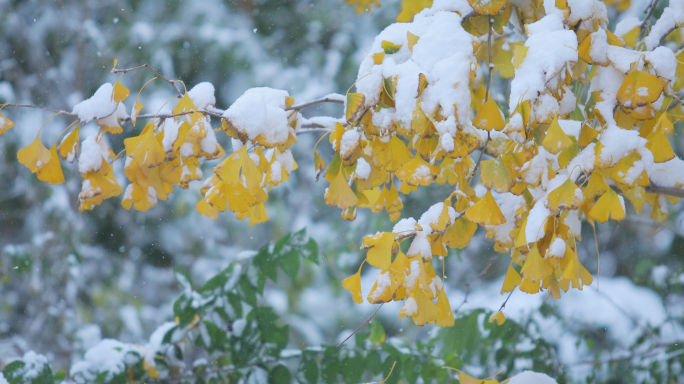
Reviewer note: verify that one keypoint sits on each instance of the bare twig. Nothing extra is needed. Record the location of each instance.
(314, 102)
(506, 301)
(489, 67)
(482, 273)
(361, 326)
(173, 83)
(482, 151)
(65, 113)
(649, 11)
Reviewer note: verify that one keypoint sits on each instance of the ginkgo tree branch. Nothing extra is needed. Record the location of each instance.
(65, 113)
(490, 67)
(649, 11)
(173, 83)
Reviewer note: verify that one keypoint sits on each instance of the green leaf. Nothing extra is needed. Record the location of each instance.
(12, 372)
(330, 365)
(374, 363)
(308, 368)
(310, 251)
(236, 303)
(247, 291)
(290, 264)
(217, 281)
(183, 277)
(377, 333)
(353, 368)
(60, 375)
(280, 375)
(265, 263)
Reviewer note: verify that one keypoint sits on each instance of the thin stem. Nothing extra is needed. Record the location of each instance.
(482, 273)
(361, 326)
(489, 67)
(314, 102)
(65, 113)
(649, 11)
(173, 83)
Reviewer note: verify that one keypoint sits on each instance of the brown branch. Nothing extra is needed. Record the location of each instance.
(649, 11)
(482, 273)
(173, 83)
(669, 191)
(361, 326)
(313, 102)
(65, 113)
(490, 67)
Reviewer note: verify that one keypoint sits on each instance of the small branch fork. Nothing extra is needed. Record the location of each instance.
(173, 83)
(649, 11)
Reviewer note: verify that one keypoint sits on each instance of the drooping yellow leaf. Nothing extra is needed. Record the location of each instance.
(489, 117)
(5, 124)
(512, 279)
(114, 65)
(464, 378)
(239, 168)
(389, 47)
(378, 58)
(496, 175)
(68, 148)
(610, 204)
(410, 8)
(487, 7)
(446, 315)
(382, 290)
(137, 107)
(34, 156)
(615, 40)
(381, 247)
(459, 234)
(340, 194)
(486, 211)
(631, 37)
(355, 102)
(145, 149)
(637, 196)
(535, 268)
(498, 317)
(567, 196)
(51, 171)
(319, 164)
(556, 140)
(661, 148)
(353, 285)
(639, 89)
(120, 92)
(427, 311)
(597, 185)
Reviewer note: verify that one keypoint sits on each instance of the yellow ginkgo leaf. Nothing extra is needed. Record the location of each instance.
(519, 55)
(496, 175)
(446, 315)
(487, 7)
(610, 204)
(640, 89)
(5, 124)
(427, 311)
(145, 149)
(464, 378)
(378, 58)
(630, 38)
(410, 8)
(597, 185)
(382, 290)
(422, 83)
(498, 317)
(567, 196)
(489, 117)
(355, 102)
(637, 196)
(511, 280)
(319, 164)
(137, 107)
(661, 148)
(412, 40)
(239, 168)
(339, 194)
(389, 47)
(459, 234)
(68, 148)
(556, 140)
(51, 171)
(615, 40)
(587, 135)
(486, 211)
(381, 246)
(535, 268)
(353, 285)
(417, 172)
(34, 156)
(120, 92)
